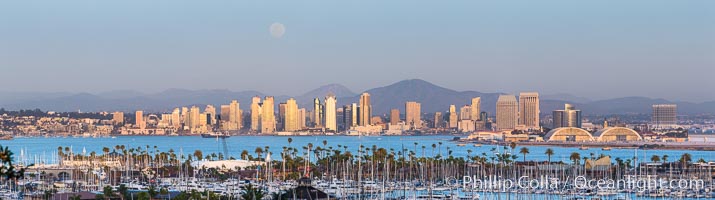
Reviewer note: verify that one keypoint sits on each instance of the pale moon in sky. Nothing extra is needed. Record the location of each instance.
(277, 30)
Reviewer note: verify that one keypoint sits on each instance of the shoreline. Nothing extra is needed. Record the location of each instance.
(615, 145)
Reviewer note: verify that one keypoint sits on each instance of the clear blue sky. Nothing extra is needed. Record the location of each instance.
(597, 49)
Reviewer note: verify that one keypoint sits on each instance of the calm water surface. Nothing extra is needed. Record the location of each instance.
(41, 148)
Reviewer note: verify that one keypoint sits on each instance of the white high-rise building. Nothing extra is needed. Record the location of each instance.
(453, 117)
(330, 112)
(476, 108)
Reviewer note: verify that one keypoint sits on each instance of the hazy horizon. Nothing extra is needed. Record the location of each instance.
(592, 49)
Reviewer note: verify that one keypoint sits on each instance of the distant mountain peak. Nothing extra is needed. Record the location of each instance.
(335, 89)
(415, 84)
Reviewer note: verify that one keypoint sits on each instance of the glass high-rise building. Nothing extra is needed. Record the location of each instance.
(568, 117)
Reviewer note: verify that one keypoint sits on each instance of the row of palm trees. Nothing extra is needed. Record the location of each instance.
(370, 162)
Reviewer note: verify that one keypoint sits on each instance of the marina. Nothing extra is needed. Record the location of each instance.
(343, 167)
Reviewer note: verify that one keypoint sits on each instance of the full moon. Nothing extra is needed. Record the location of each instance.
(277, 30)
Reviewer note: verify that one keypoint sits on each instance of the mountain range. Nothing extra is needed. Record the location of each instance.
(433, 98)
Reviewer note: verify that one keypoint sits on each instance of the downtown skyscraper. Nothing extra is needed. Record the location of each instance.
(413, 112)
(664, 116)
(291, 120)
(507, 112)
(529, 110)
(365, 110)
(330, 112)
(234, 116)
(268, 118)
(476, 108)
(394, 116)
(568, 117)
(256, 113)
(318, 112)
(453, 117)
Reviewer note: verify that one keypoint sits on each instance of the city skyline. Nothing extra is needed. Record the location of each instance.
(540, 47)
(368, 99)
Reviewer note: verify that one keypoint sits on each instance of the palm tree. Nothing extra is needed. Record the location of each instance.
(665, 158)
(685, 159)
(107, 192)
(252, 193)
(575, 157)
(259, 151)
(512, 145)
(655, 158)
(105, 150)
(549, 152)
(244, 154)
(198, 154)
(524, 151)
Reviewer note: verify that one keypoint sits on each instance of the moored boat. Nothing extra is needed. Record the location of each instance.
(215, 135)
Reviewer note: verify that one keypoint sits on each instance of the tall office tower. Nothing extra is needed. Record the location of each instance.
(185, 116)
(394, 116)
(318, 112)
(339, 116)
(481, 124)
(665, 116)
(413, 112)
(139, 119)
(453, 116)
(310, 117)
(291, 116)
(234, 115)
(301, 118)
(354, 113)
(507, 112)
(347, 117)
(568, 117)
(268, 118)
(365, 110)
(330, 112)
(176, 118)
(465, 112)
(225, 114)
(483, 116)
(475, 108)
(204, 119)
(211, 110)
(281, 116)
(529, 110)
(194, 117)
(438, 120)
(256, 113)
(118, 118)
(165, 121)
